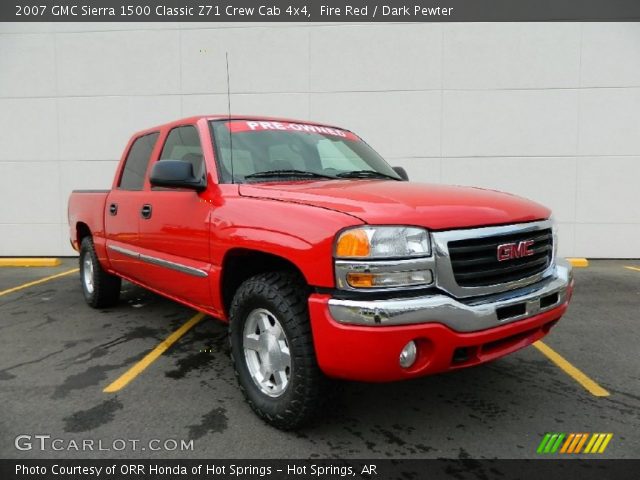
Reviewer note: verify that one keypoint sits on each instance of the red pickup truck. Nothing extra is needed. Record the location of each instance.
(325, 261)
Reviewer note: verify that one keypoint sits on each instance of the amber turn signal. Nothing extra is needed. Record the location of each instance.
(360, 280)
(353, 243)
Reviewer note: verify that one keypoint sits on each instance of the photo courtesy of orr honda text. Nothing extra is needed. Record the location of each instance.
(317, 239)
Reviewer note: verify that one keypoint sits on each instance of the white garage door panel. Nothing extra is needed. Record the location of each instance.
(29, 129)
(608, 53)
(27, 63)
(607, 240)
(609, 121)
(511, 55)
(118, 63)
(32, 239)
(260, 60)
(29, 192)
(409, 61)
(509, 122)
(608, 190)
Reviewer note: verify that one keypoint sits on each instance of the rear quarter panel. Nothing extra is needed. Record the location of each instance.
(86, 207)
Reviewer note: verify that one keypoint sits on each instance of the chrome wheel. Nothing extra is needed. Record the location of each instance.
(87, 273)
(266, 352)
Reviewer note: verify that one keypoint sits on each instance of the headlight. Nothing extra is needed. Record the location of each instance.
(383, 242)
(383, 258)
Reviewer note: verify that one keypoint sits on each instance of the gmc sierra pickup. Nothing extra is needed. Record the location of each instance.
(324, 261)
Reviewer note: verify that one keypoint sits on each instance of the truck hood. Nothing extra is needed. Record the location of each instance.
(437, 207)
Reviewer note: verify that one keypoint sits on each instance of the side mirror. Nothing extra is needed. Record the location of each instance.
(402, 173)
(175, 174)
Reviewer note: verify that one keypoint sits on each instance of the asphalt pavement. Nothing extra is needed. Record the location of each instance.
(57, 356)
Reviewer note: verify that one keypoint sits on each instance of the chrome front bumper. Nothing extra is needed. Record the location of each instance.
(462, 315)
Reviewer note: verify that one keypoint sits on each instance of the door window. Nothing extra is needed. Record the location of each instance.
(135, 166)
(183, 143)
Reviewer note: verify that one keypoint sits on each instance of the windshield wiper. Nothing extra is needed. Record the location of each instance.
(287, 173)
(364, 174)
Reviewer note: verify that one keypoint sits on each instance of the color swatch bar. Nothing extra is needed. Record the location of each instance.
(574, 443)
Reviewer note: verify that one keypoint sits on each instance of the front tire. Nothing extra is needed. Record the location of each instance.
(100, 288)
(272, 349)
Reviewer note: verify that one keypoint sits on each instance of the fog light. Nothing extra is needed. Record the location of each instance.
(408, 354)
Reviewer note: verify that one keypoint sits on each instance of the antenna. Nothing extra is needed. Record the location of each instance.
(229, 117)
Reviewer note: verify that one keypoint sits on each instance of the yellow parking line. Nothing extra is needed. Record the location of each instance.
(37, 282)
(591, 386)
(578, 262)
(29, 262)
(152, 356)
(633, 268)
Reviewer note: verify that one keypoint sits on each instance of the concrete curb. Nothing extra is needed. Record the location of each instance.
(29, 262)
(578, 262)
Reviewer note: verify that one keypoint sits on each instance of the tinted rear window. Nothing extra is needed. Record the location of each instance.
(135, 166)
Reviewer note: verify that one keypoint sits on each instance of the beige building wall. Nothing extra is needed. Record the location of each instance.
(550, 111)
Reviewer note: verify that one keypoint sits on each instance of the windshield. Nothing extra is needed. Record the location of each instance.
(269, 150)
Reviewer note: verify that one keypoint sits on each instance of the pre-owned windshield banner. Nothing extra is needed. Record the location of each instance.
(318, 10)
(240, 126)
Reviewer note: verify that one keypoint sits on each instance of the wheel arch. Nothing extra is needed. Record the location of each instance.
(240, 264)
(82, 231)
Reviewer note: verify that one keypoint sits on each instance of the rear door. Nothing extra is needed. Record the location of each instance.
(124, 204)
(174, 231)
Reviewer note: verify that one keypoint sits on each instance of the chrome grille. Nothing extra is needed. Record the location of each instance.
(474, 261)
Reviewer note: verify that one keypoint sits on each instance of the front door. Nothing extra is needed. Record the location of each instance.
(174, 227)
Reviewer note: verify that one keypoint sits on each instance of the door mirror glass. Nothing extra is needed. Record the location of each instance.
(175, 174)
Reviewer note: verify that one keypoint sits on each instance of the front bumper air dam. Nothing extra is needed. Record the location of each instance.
(370, 351)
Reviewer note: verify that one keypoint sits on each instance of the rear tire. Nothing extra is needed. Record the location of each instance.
(272, 350)
(101, 289)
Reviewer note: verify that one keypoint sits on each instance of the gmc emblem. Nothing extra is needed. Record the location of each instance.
(510, 251)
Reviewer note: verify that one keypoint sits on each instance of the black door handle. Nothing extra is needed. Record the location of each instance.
(113, 209)
(146, 211)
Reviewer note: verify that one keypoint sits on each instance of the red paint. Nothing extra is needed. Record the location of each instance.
(371, 353)
(297, 221)
(438, 207)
